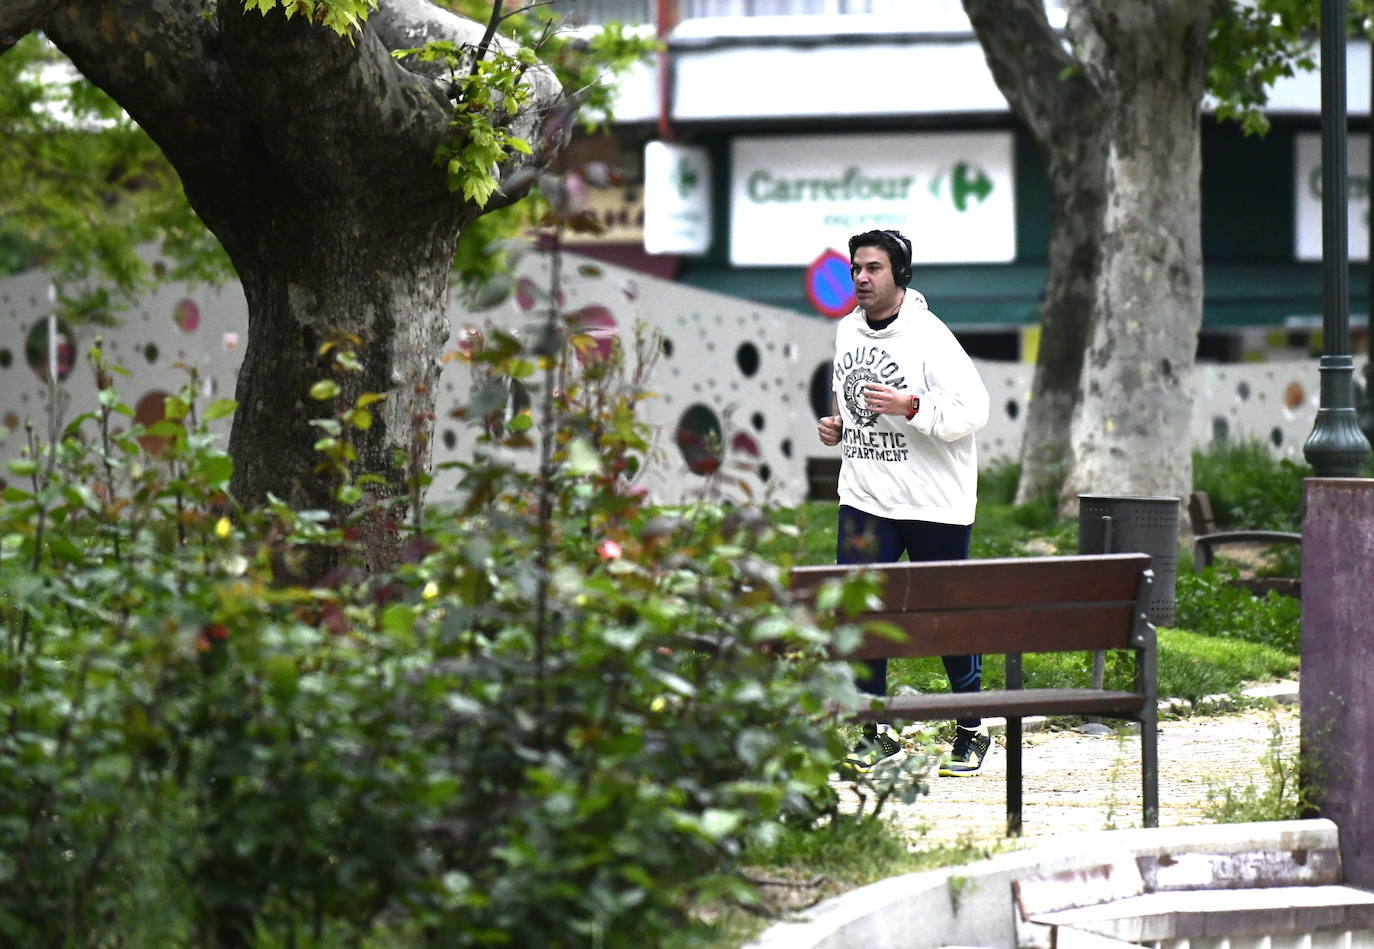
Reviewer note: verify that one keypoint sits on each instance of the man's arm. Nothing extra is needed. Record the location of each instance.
(831, 428)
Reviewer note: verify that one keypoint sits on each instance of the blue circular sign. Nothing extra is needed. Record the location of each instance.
(829, 286)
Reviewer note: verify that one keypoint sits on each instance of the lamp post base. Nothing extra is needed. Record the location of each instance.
(1337, 448)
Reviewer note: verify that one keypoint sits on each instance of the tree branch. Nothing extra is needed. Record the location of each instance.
(1028, 61)
(485, 44)
(19, 18)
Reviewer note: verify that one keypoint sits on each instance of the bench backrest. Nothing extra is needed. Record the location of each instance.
(1033, 604)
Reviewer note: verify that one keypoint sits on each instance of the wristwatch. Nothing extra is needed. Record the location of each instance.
(915, 407)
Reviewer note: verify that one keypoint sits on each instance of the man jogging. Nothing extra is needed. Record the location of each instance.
(906, 402)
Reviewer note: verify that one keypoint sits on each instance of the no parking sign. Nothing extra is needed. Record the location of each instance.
(829, 285)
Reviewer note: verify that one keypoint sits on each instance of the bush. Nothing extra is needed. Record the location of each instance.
(1249, 488)
(1208, 603)
(553, 723)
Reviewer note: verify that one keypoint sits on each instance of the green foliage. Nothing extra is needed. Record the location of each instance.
(1282, 797)
(1249, 487)
(1250, 46)
(94, 186)
(344, 17)
(553, 723)
(1209, 603)
(997, 482)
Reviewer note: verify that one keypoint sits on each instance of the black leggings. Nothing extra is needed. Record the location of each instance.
(867, 538)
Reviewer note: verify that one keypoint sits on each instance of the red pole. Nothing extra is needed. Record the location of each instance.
(666, 18)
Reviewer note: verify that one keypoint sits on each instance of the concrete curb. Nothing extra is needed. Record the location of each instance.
(971, 905)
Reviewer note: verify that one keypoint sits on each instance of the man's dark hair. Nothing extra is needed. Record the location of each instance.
(896, 246)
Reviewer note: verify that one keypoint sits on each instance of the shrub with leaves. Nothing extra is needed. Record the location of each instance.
(1249, 488)
(559, 721)
(1209, 603)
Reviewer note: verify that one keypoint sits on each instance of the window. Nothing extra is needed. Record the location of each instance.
(934, 11)
(629, 12)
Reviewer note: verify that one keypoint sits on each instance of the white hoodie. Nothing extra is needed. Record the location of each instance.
(925, 469)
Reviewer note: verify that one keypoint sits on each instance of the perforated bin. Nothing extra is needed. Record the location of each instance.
(1120, 524)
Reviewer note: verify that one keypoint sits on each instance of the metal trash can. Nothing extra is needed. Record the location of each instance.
(1115, 524)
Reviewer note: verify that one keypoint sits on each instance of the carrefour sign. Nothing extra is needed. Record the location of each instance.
(1307, 215)
(951, 193)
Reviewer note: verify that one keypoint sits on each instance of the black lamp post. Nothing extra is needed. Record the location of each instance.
(1336, 448)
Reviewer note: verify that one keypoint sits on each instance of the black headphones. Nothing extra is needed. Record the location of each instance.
(900, 257)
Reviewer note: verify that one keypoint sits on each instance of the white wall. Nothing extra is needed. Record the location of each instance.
(767, 417)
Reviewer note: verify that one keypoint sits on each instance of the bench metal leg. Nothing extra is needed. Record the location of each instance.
(1013, 777)
(1149, 767)
(1015, 680)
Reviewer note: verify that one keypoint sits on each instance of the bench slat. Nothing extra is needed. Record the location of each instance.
(1006, 703)
(1081, 628)
(965, 584)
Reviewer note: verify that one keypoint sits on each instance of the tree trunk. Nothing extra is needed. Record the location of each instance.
(1147, 58)
(311, 157)
(306, 286)
(1064, 114)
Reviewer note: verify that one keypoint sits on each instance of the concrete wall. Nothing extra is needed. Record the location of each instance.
(760, 372)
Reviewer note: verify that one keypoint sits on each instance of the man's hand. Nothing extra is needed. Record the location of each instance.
(830, 429)
(886, 400)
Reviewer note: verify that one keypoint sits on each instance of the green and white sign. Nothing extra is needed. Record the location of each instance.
(1307, 216)
(677, 199)
(952, 193)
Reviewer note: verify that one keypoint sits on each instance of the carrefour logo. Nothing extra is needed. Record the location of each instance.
(964, 185)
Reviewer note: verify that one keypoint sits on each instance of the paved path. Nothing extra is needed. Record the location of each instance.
(1079, 782)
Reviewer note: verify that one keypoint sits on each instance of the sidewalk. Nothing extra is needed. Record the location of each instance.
(1075, 781)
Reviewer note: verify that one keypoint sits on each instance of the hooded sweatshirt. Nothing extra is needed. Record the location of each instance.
(925, 468)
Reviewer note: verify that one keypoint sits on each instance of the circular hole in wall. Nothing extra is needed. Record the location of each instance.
(765, 473)
(1243, 391)
(528, 294)
(667, 347)
(820, 390)
(1013, 409)
(449, 439)
(1276, 436)
(151, 352)
(1220, 428)
(747, 358)
(186, 315)
(149, 410)
(698, 438)
(6, 358)
(596, 331)
(757, 421)
(45, 354)
(786, 448)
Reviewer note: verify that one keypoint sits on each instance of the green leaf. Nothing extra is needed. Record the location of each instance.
(582, 458)
(324, 389)
(221, 408)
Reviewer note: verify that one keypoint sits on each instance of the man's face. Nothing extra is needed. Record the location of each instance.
(874, 286)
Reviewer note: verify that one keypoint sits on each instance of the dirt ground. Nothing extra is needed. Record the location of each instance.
(1075, 781)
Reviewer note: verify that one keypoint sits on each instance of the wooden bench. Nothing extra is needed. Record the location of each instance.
(1011, 607)
(1207, 539)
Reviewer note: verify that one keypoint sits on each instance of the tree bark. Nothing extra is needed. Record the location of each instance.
(1147, 59)
(1064, 113)
(18, 18)
(312, 160)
